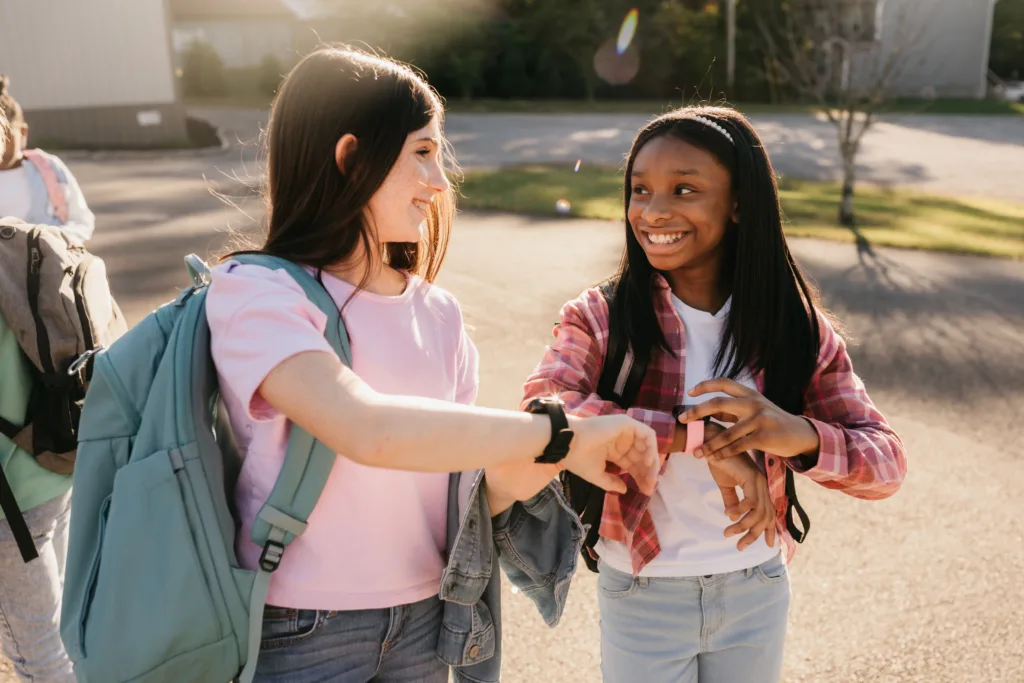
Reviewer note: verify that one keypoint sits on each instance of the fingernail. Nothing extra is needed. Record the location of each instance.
(690, 392)
(698, 452)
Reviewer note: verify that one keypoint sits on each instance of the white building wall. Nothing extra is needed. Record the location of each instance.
(86, 53)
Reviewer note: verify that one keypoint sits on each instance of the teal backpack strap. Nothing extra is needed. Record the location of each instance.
(307, 464)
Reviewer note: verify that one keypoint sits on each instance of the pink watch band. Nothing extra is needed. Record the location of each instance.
(694, 435)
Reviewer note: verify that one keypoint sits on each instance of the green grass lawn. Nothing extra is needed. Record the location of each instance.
(885, 217)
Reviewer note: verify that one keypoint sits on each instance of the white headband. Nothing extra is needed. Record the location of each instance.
(708, 122)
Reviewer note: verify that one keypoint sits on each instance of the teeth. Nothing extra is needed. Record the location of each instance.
(665, 238)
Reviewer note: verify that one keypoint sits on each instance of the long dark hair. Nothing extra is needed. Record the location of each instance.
(773, 324)
(315, 213)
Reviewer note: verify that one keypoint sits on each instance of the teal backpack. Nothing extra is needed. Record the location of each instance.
(153, 590)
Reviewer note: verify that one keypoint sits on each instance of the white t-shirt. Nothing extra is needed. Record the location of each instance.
(687, 507)
(15, 193)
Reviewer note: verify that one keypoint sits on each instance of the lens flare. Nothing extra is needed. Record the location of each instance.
(627, 30)
(563, 206)
(577, 169)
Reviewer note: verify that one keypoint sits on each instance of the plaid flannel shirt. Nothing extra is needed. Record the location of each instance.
(859, 453)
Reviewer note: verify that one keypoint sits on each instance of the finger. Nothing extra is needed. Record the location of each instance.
(770, 537)
(715, 406)
(749, 539)
(737, 447)
(760, 530)
(745, 523)
(609, 482)
(724, 385)
(636, 451)
(737, 511)
(726, 437)
(731, 501)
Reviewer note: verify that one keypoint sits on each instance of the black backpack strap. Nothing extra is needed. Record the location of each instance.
(793, 505)
(22, 536)
(587, 500)
(19, 529)
(8, 429)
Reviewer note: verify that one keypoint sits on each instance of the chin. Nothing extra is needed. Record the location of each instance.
(668, 261)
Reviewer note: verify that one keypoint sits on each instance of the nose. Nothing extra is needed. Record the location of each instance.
(656, 211)
(437, 179)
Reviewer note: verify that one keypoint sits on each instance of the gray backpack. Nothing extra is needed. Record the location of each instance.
(153, 591)
(55, 298)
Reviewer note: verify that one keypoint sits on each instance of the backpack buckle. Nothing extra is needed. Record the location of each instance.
(271, 556)
(80, 362)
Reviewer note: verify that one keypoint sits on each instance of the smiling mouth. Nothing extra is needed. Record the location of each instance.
(421, 206)
(663, 238)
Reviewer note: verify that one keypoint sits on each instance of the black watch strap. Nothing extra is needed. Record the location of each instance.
(561, 435)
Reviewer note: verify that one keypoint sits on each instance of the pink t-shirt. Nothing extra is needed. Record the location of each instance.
(376, 537)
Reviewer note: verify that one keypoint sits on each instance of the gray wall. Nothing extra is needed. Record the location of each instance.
(944, 47)
(92, 73)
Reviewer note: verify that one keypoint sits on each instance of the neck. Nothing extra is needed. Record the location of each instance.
(373, 275)
(699, 287)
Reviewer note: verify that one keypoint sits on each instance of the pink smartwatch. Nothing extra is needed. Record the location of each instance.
(694, 430)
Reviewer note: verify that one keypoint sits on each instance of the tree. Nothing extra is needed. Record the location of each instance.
(1007, 56)
(203, 70)
(836, 55)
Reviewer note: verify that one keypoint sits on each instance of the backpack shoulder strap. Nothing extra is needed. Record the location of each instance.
(304, 472)
(308, 462)
(623, 373)
(53, 186)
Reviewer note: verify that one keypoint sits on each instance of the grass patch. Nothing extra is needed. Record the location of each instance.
(885, 217)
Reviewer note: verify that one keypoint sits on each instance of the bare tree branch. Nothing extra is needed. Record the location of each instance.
(834, 54)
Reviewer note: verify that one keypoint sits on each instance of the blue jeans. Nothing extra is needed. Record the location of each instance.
(393, 645)
(721, 628)
(30, 595)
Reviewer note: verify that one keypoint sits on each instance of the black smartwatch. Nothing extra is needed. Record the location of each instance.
(561, 435)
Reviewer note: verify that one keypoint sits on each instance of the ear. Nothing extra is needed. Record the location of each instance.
(736, 213)
(344, 150)
(24, 135)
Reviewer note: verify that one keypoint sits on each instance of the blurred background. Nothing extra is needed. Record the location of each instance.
(897, 131)
(106, 58)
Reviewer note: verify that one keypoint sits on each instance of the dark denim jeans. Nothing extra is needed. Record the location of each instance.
(394, 645)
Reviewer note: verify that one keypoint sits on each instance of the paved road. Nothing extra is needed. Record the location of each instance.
(945, 155)
(923, 587)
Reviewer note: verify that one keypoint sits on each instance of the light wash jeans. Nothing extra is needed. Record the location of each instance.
(30, 595)
(394, 645)
(721, 628)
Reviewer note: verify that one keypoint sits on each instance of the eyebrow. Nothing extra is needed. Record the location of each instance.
(685, 171)
(429, 138)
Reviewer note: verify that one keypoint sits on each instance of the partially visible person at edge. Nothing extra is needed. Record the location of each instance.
(30, 593)
(36, 186)
(710, 295)
(357, 193)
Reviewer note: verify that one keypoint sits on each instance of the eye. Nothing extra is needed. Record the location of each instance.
(639, 189)
(683, 190)
(424, 153)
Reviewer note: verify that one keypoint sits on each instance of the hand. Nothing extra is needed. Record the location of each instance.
(505, 484)
(616, 439)
(755, 514)
(759, 423)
